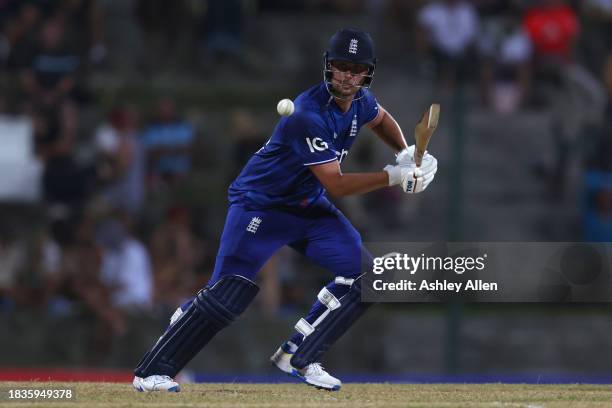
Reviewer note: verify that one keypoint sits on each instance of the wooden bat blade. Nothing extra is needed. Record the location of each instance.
(434, 115)
(424, 130)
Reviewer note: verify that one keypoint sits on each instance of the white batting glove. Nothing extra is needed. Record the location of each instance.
(413, 179)
(406, 156)
(429, 164)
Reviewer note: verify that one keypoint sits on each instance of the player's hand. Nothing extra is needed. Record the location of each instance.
(406, 156)
(413, 179)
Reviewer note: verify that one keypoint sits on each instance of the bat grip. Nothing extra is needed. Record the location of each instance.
(418, 156)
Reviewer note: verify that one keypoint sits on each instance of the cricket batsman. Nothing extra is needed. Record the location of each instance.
(280, 198)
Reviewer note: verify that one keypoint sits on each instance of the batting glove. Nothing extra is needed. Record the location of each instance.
(413, 179)
(406, 156)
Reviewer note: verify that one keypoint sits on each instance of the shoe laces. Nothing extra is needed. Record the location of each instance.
(161, 378)
(317, 368)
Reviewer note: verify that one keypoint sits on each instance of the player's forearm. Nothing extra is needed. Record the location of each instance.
(357, 183)
(389, 131)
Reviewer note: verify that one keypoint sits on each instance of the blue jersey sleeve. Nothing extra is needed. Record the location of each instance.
(309, 138)
(369, 106)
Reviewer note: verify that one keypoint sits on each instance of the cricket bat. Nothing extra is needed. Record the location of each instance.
(423, 131)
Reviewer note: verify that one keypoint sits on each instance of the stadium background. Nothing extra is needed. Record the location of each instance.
(123, 122)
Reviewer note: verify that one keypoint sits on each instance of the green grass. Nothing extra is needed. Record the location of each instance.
(351, 396)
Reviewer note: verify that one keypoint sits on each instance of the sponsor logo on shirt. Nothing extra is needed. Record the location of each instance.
(316, 144)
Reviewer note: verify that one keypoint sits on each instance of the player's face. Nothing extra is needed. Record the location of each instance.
(347, 77)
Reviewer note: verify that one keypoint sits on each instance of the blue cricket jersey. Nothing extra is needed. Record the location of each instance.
(318, 132)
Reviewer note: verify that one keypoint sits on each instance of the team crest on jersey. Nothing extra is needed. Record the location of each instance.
(353, 127)
(353, 46)
(253, 225)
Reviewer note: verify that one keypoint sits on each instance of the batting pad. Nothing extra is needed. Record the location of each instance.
(213, 309)
(335, 321)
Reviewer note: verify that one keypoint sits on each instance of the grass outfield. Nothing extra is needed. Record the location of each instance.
(298, 395)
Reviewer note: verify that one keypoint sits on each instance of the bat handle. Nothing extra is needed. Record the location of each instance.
(418, 156)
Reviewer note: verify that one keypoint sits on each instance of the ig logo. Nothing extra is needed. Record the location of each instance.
(316, 144)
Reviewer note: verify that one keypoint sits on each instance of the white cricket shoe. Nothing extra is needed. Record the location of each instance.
(282, 360)
(314, 374)
(156, 383)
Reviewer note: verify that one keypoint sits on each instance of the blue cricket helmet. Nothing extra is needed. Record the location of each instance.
(354, 46)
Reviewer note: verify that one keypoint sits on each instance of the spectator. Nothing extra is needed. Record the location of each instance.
(223, 27)
(53, 137)
(553, 28)
(55, 146)
(168, 142)
(18, 31)
(49, 81)
(50, 77)
(448, 29)
(506, 69)
(84, 22)
(576, 97)
(125, 267)
(121, 161)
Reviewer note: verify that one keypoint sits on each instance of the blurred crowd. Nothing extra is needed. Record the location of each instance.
(106, 233)
(545, 55)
